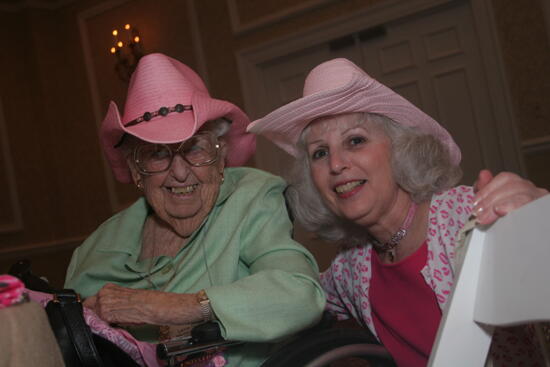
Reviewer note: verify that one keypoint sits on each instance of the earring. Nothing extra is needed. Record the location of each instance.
(139, 185)
(223, 178)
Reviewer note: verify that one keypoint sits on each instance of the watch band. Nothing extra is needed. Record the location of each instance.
(206, 309)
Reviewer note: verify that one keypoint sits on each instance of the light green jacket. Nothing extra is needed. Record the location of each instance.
(262, 284)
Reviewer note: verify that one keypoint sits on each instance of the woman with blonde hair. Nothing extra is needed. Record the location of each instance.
(377, 175)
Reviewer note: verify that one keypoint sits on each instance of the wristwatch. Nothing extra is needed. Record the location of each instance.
(206, 310)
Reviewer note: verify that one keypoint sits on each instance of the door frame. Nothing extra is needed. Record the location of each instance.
(249, 60)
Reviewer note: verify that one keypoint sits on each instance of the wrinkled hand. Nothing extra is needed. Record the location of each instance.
(499, 195)
(120, 305)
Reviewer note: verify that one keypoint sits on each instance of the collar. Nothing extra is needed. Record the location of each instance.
(130, 222)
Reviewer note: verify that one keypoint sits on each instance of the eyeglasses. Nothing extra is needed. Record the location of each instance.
(199, 150)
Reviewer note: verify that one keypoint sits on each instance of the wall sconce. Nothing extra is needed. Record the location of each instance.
(127, 50)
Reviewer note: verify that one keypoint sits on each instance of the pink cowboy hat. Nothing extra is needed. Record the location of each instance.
(167, 102)
(339, 86)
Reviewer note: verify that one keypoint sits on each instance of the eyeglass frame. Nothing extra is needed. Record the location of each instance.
(177, 151)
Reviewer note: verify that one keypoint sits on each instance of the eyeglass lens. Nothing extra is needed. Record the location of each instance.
(197, 150)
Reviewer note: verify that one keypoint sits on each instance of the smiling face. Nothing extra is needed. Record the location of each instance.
(183, 195)
(350, 163)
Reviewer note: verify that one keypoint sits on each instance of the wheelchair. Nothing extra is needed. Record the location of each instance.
(323, 348)
(320, 346)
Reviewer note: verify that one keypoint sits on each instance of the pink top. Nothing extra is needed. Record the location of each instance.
(348, 280)
(404, 308)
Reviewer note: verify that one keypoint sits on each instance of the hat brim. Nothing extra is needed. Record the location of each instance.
(177, 127)
(284, 125)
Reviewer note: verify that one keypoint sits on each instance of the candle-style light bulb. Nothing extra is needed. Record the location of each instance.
(113, 50)
(120, 44)
(127, 26)
(115, 32)
(136, 39)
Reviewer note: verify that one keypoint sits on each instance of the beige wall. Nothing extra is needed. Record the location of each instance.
(61, 185)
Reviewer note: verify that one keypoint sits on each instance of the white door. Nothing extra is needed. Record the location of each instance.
(432, 58)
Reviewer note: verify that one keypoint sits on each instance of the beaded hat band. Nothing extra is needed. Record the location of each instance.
(163, 111)
(166, 103)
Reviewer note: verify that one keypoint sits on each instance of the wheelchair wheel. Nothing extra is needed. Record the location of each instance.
(328, 347)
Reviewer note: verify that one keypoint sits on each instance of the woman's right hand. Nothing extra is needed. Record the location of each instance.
(120, 305)
(499, 195)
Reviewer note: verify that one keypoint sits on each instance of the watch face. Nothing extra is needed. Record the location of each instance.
(202, 296)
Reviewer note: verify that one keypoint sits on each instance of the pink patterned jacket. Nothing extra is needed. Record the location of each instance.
(347, 281)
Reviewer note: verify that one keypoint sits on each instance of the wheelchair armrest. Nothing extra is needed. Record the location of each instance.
(22, 270)
(207, 332)
(205, 338)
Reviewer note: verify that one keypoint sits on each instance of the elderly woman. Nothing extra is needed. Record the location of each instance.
(376, 174)
(205, 242)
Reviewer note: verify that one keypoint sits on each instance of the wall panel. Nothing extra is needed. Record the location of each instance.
(10, 215)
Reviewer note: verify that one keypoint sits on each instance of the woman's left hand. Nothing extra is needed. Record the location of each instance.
(499, 195)
(120, 305)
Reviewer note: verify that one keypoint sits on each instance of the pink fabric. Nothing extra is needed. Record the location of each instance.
(143, 353)
(409, 335)
(348, 280)
(339, 86)
(161, 81)
(11, 291)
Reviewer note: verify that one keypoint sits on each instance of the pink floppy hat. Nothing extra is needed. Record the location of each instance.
(339, 86)
(167, 102)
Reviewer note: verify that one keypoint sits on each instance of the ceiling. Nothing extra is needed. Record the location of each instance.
(32, 4)
(35, 2)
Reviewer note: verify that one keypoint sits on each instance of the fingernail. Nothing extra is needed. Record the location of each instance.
(477, 211)
(475, 202)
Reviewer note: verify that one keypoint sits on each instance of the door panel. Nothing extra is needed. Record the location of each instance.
(438, 52)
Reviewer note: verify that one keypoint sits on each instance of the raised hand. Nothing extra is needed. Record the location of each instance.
(499, 195)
